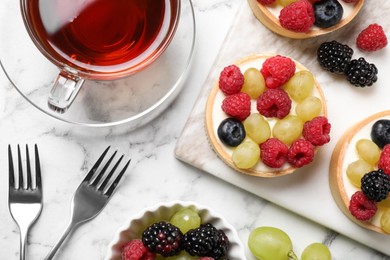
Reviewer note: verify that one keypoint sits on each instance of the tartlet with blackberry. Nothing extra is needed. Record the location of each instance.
(360, 173)
(266, 116)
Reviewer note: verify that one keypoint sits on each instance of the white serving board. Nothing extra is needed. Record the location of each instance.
(306, 192)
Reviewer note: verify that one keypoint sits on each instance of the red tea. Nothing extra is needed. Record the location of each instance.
(99, 35)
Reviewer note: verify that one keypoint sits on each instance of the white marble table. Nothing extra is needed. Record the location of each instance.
(155, 175)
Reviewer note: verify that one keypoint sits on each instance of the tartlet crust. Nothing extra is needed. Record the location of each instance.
(266, 17)
(336, 170)
(211, 132)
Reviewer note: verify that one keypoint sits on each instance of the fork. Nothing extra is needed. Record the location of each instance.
(24, 200)
(91, 196)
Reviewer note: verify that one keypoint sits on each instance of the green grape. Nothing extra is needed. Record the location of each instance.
(257, 128)
(288, 129)
(186, 219)
(368, 151)
(384, 204)
(356, 171)
(385, 220)
(309, 108)
(270, 243)
(254, 83)
(246, 154)
(316, 251)
(285, 2)
(300, 86)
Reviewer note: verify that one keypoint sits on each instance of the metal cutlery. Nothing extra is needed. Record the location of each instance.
(91, 196)
(24, 198)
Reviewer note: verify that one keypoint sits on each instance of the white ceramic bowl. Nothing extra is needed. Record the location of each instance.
(163, 211)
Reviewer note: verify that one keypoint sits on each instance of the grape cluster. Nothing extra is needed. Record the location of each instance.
(271, 243)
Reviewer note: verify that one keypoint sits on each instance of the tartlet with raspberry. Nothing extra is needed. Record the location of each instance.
(300, 19)
(360, 173)
(266, 116)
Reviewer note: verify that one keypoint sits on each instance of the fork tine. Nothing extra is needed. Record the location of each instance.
(11, 173)
(38, 178)
(117, 179)
(28, 166)
(20, 167)
(101, 173)
(101, 188)
(95, 166)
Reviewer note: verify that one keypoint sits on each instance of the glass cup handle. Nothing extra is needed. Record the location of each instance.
(64, 91)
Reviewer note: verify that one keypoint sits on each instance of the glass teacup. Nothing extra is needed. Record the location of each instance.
(98, 39)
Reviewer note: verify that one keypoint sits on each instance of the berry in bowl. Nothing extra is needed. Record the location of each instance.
(266, 116)
(300, 19)
(178, 230)
(360, 173)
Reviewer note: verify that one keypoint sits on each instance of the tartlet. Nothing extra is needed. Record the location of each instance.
(214, 115)
(345, 153)
(268, 16)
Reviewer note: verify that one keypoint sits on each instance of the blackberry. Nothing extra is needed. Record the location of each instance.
(206, 240)
(334, 56)
(162, 238)
(376, 185)
(361, 73)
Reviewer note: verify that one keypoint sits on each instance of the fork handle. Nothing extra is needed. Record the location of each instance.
(64, 235)
(23, 242)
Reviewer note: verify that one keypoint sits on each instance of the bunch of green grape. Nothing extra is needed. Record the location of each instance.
(271, 243)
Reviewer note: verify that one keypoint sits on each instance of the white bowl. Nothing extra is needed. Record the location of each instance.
(164, 211)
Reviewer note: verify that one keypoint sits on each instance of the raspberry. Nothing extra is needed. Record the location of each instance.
(266, 2)
(274, 103)
(298, 16)
(317, 130)
(135, 250)
(384, 159)
(361, 207)
(273, 153)
(301, 152)
(376, 185)
(231, 80)
(162, 238)
(206, 240)
(237, 105)
(372, 38)
(277, 70)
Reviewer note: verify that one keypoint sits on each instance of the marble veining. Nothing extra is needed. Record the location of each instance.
(155, 175)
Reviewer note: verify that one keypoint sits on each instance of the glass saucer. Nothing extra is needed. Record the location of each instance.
(134, 100)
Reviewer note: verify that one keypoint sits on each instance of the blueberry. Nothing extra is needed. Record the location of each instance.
(231, 131)
(327, 13)
(380, 132)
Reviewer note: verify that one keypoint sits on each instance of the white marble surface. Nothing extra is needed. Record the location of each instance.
(155, 175)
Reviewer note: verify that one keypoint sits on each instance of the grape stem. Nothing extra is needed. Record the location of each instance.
(292, 255)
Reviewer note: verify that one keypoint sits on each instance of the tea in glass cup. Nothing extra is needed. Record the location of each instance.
(98, 39)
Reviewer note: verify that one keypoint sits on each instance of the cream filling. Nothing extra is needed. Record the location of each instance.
(351, 156)
(218, 115)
